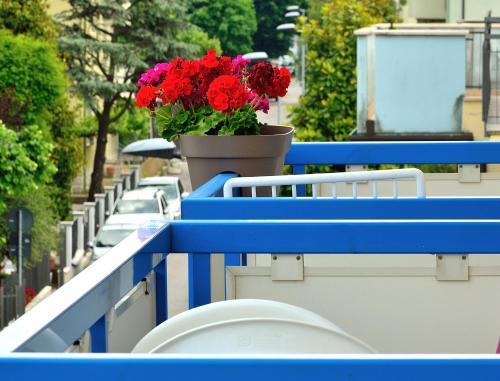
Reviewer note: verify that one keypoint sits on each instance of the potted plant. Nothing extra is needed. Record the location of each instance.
(211, 105)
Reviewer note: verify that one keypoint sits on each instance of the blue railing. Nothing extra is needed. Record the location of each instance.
(233, 226)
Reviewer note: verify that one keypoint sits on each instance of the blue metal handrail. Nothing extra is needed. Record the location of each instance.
(355, 153)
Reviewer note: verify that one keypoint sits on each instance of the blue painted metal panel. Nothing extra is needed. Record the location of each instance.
(264, 208)
(343, 236)
(133, 368)
(394, 153)
(212, 187)
(300, 170)
(99, 336)
(199, 286)
(161, 292)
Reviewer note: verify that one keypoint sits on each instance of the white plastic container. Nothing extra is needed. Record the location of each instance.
(249, 326)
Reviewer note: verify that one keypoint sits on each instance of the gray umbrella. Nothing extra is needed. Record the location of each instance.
(157, 147)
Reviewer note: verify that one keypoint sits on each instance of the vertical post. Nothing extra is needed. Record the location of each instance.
(199, 285)
(136, 175)
(300, 170)
(119, 188)
(98, 333)
(91, 206)
(303, 65)
(100, 199)
(20, 247)
(78, 215)
(127, 181)
(161, 292)
(110, 204)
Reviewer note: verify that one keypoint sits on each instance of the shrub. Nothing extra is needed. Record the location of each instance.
(35, 70)
(328, 109)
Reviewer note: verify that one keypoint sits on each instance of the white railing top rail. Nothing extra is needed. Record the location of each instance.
(329, 178)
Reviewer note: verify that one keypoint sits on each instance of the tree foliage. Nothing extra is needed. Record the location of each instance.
(270, 15)
(328, 109)
(233, 22)
(32, 66)
(119, 40)
(200, 40)
(27, 17)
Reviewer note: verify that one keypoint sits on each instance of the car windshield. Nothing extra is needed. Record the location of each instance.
(111, 237)
(137, 206)
(170, 190)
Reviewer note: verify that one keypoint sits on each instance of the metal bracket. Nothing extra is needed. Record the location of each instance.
(469, 173)
(287, 267)
(452, 267)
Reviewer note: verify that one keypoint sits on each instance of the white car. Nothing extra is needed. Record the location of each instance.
(133, 210)
(171, 187)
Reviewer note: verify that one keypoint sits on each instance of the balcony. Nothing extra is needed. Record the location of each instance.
(425, 275)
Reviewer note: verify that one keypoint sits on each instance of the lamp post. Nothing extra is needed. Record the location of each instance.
(291, 27)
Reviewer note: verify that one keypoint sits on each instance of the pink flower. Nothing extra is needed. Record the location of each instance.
(239, 64)
(262, 104)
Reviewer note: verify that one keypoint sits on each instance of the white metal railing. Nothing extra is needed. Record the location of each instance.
(329, 178)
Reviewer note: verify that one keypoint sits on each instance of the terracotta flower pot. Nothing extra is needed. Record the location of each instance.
(251, 155)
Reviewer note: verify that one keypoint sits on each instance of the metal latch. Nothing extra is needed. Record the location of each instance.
(287, 267)
(469, 173)
(452, 267)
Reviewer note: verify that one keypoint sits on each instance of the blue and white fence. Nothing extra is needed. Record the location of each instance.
(235, 226)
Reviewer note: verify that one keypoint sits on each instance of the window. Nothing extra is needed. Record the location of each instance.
(137, 206)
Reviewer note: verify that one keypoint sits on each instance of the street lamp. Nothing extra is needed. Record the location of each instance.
(291, 27)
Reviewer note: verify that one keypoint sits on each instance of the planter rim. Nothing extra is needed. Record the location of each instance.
(275, 141)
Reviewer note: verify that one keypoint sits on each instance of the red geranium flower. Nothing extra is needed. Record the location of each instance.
(146, 97)
(261, 77)
(226, 93)
(281, 81)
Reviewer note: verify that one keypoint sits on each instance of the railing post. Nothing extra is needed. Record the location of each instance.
(99, 335)
(110, 200)
(127, 181)
(91, 223)
(300, 170)
(66, 256)
(136, 175)
(118, 183)
(199, 283)
(78, 215)
(161, 292)
(100, 199)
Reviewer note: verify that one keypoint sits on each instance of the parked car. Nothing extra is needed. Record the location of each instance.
(171, 187)
(133, 210)
(147, 204)
(255, 57)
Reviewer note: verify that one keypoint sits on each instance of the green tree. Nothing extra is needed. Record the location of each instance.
(328, 109)
(33, 89)
(200, 40)
(106, 45)
(27, 17)
(270, 15)
(233, 22)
